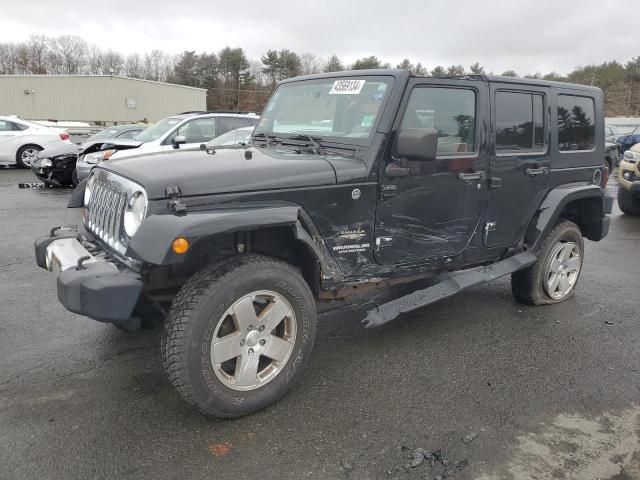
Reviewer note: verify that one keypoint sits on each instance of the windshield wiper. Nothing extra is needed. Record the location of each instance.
(312, 142)
(269, 138)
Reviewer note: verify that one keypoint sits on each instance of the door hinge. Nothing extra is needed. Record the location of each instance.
(387, 191)
(383, 242)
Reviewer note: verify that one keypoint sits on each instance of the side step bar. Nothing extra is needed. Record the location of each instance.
(450, 285)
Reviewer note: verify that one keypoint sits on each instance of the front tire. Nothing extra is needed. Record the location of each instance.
(628, 203)
(554, 276)
(26, 154)
(238, 335)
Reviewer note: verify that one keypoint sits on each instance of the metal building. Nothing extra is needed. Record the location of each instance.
(95, 98)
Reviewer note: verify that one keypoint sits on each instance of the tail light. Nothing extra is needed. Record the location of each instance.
(64, 136)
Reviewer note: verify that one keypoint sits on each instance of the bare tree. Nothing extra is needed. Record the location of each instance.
(31, 57)
(7, 58)
(158, 66)
(133, 66)
(94, 60)
(71, 50)
(309, 64)
(112, 63)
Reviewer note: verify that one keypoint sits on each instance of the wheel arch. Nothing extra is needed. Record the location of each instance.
(584, 205)
(282, 231)
(25, 145)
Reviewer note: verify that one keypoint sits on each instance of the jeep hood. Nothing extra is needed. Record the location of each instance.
(226, 171)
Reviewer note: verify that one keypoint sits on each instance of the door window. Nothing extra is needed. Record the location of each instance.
(450, 111)
(519, 123)
(576, 124)
(200, 130)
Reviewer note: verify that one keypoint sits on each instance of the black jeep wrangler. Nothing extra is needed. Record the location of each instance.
(351, 181)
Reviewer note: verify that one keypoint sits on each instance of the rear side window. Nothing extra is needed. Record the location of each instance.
(576, 123)
(450, 111)
(519, 123)
(6, 126)
(231, 123)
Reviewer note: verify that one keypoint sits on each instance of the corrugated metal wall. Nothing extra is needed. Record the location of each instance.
(92, 98)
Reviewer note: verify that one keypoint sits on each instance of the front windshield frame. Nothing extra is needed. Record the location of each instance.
(164, 126)
(265, 125)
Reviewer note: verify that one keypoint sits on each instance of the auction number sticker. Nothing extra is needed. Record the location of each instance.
(346, 87)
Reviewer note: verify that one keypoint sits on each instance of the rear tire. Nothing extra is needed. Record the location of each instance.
(628, 203)
(218, 343)
(24, 152)
(535, 284)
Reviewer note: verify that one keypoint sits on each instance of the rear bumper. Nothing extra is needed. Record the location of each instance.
(88, 285)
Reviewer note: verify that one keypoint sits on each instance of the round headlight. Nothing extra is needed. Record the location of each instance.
(88, 189)
(45, 163)
(134, 213)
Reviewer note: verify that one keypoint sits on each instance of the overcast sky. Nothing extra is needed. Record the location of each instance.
(527, 36)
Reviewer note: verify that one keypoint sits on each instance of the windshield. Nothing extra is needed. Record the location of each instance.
(157, 130)
(626, 129)
(347, 108)
(105, 133)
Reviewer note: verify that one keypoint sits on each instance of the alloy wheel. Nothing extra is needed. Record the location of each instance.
(253, 340)
(563, 269)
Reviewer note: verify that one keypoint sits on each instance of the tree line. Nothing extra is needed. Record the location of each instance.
(234, 81)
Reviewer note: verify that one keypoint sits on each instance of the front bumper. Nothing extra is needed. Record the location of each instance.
(58, 174)
(632, 169)
(89, 284)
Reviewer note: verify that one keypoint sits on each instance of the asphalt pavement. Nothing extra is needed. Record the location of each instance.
(473, 387)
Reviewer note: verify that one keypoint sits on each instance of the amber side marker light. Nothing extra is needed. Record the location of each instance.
(180, 245)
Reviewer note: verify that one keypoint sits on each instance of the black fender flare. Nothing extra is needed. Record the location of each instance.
(152, 242)
(555, 203)
(77, 196)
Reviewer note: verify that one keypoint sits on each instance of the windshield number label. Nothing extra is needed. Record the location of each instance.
(346, 87)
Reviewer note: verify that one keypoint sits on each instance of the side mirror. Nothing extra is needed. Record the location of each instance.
(418, 144)
(179, 140)
(203, 146)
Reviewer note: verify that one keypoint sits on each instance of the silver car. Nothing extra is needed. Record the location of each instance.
(186, 131)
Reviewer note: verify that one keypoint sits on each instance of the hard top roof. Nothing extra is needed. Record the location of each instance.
(402, 74)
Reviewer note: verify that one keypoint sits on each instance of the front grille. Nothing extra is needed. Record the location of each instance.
(105, 212)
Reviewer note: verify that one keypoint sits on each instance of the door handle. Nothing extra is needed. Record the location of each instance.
(470, 177)
(533, 172)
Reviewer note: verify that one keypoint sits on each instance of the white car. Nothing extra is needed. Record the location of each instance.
(186, 131)
(21, 140)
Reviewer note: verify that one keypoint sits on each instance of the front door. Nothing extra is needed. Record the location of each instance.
(431, 209)
(520, 161)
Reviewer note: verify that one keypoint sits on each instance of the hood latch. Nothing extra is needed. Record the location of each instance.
(174, 205)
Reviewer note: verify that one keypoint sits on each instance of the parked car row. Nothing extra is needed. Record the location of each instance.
(70, 164)
(57, 166)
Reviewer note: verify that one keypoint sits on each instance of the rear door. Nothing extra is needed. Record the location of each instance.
(520, 160)
(10, 134)
(226, 124)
